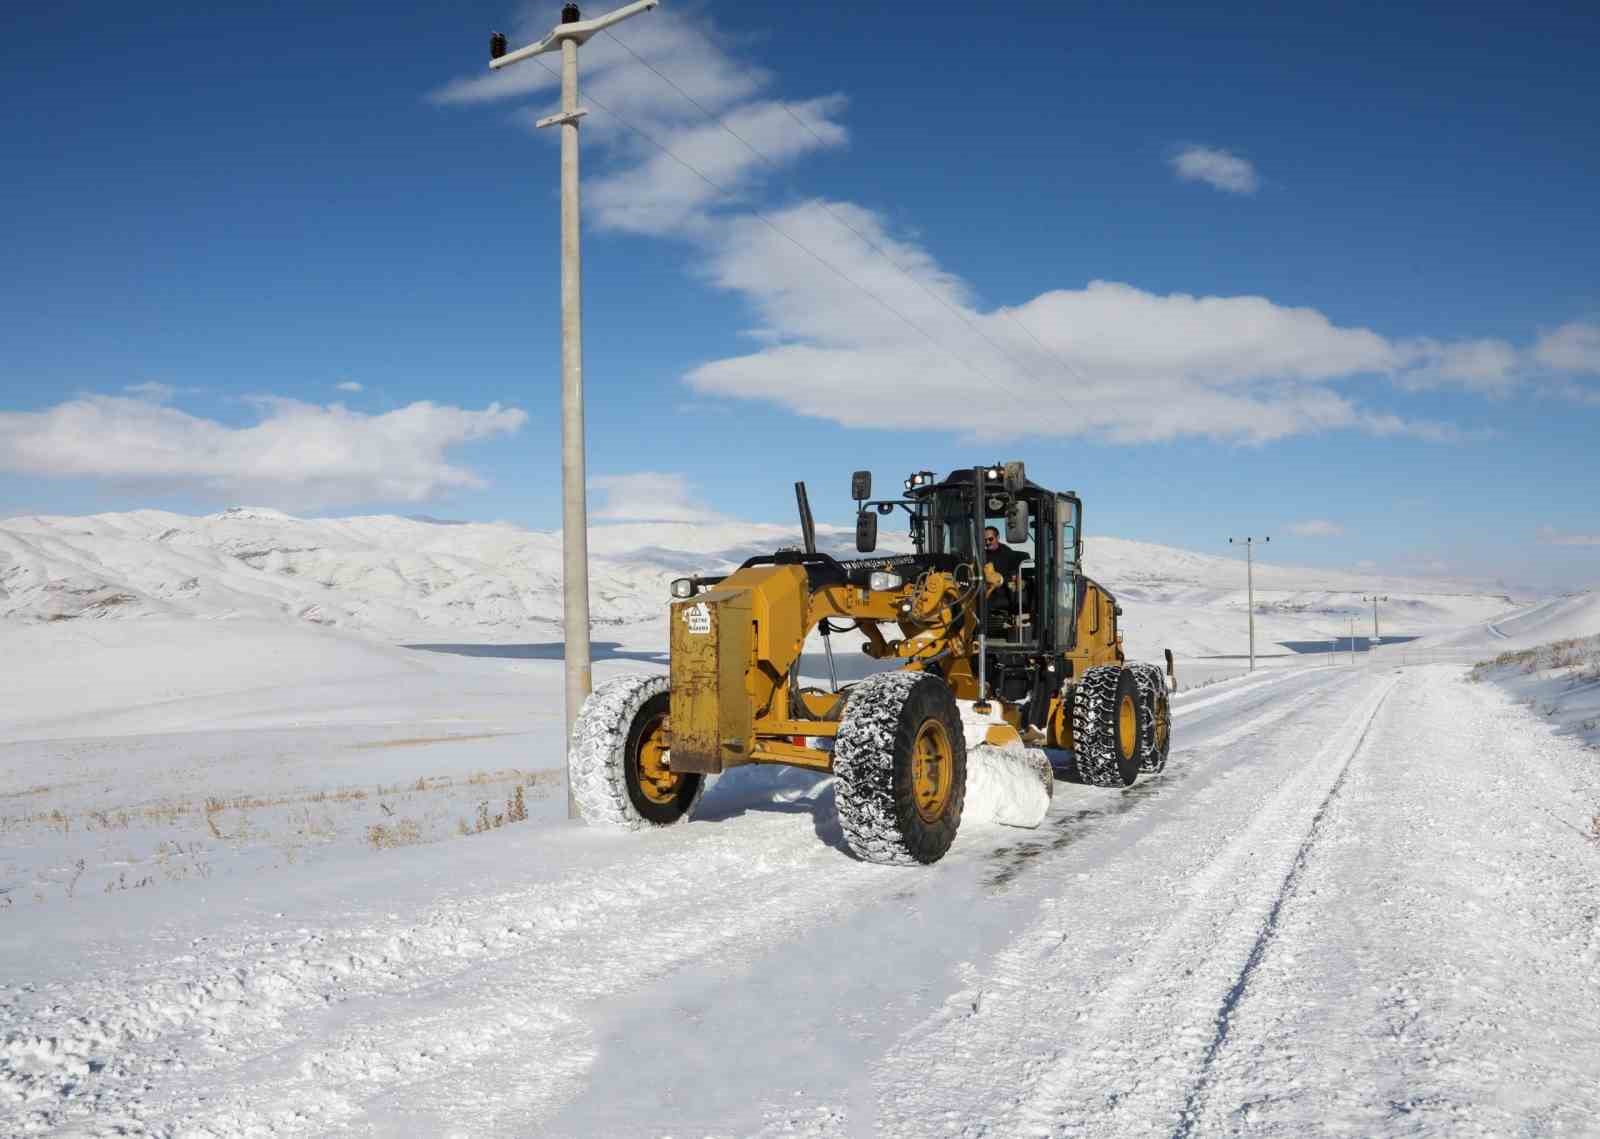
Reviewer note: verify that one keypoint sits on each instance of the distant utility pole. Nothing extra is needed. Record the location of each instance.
(1352, 642)
(1250, 584)
(1375, 599)
(567, 36)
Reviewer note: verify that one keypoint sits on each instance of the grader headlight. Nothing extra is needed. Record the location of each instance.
(884, 581)
(683, 587)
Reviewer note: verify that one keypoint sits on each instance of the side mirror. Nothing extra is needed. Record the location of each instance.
(1015, 479)
(861, 486)
(866, 531)
(1017, 522)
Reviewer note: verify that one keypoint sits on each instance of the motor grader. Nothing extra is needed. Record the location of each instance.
(1035, 650)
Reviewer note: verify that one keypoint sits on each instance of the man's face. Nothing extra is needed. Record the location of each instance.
(991, 539)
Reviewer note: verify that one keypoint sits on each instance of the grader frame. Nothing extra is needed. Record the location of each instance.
(735, 640)
(1040, 642)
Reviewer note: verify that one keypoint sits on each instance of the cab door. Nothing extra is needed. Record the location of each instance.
(1067, 578)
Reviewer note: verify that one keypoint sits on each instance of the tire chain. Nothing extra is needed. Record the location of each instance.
(599, 740)
(1152, 686)
(1094, 735)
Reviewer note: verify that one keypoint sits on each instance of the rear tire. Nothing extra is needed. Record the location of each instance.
(900, 768)
(1107, 725)
(1155, 742)
(620, 772)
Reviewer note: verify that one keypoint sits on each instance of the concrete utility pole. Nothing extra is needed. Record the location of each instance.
(1375, 599)
(1352, 642)
(567, 36)
(1250, 583)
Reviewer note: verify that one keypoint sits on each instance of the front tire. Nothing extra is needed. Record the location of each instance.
(1107, 726)
(621, 773)
(900, 768)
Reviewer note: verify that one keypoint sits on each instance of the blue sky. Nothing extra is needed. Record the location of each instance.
(1222, 270)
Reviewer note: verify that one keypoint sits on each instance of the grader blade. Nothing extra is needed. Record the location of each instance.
(1009, 785)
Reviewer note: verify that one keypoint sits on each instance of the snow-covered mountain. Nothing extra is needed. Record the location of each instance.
(394, 578)
(384, 575)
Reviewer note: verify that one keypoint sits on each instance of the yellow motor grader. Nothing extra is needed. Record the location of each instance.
(1018, 630)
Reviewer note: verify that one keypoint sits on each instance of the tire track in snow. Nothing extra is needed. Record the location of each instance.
(1380, 1010)
(1064, 829)
(1231, 695)
(1132, 920)
(1269, 928)
(1160, 1011)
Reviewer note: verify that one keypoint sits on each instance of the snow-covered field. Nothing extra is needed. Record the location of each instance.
(283, 850)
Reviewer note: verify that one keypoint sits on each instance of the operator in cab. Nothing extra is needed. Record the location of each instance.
(1008, 564)
(1003, 558)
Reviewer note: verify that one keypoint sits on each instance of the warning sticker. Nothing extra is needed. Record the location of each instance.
(698, 618)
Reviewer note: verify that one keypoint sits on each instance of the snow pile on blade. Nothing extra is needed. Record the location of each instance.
(1009, 785)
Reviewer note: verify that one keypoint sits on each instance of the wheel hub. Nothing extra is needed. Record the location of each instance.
(932, 771)
(657, 781)
(1127, 727)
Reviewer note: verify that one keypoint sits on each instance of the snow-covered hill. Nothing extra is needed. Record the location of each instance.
(400, 578)
(1556, 619)
(384, 575)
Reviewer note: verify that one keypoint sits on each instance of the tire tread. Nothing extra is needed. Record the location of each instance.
(872, 731)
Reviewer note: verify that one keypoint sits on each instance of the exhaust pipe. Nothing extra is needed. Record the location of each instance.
(808, 535)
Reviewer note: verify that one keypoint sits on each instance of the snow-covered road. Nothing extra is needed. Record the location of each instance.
(1357, 901)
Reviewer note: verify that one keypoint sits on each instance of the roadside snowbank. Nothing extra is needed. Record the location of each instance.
(1559, 681)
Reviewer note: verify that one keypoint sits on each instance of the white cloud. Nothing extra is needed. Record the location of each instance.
(648, 496)
(862, 327)
(1316, 528)
(1108, 359)
(661, 195)
(1493, 367)
(153, 391)
(639, 188)
(1574, 347)
(1574, 392)
(350, 386)
(1218, 169)
(297, 454)
(1553, 537)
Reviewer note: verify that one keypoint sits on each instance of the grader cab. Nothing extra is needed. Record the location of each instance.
(1014, 629)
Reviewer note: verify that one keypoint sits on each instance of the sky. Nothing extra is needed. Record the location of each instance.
(1328, 273)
